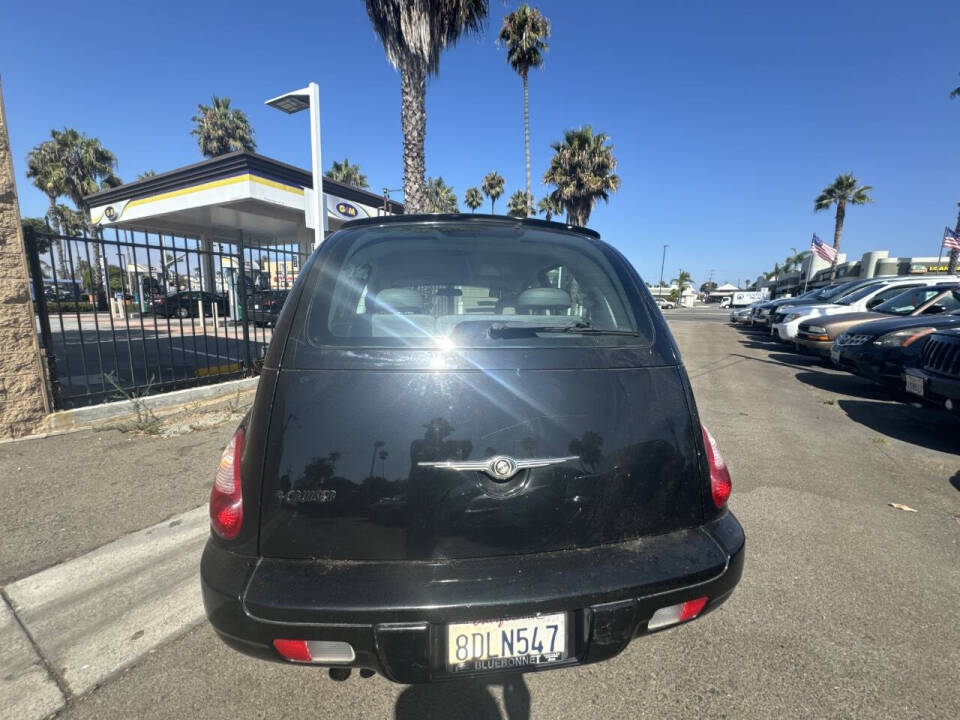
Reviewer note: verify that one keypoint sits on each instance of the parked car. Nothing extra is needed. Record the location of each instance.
(665, 304)
(880, 350)
(817, 335)
(439, 406)
(264, 307)
(937, 377)
(859, 298)
(741, 314)
(185, 304)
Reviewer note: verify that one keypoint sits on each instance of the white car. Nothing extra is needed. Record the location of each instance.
(866, 297)
(741, 314)
(665, 305)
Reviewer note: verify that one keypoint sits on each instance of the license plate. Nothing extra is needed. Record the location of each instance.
(505, 644)
(914, 384)
(834, 356)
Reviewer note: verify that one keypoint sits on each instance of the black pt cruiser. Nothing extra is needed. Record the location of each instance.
(474, 448)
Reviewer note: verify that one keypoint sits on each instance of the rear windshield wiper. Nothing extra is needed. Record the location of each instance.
(503, 330)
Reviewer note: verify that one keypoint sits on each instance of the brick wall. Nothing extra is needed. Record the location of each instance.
(22, 390)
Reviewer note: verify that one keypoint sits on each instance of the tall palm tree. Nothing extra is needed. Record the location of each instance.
(440, 197)
(582, 171)
(221, 129)
(550, 206)
(845, 189)
(414, 33)
(793, 261)
(346, 173)
(524, 33)
(46, 169)
(492, 187)
(683, 279)
(473, 198)
(520, 205)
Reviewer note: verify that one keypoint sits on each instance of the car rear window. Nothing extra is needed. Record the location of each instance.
(470, 285)
(908, 301)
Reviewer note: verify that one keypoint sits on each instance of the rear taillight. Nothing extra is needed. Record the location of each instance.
(720, 484)
(226, 498)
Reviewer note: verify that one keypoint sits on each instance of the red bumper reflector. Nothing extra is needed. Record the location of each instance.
(295, 650)
(673, 614)
(692, 608)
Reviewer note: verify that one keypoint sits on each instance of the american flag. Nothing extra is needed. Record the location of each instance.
(950, 239)
(821, 249)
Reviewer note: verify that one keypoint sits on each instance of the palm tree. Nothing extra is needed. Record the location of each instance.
(88, 168)
(414, 33)
(520, 205)
(550, 206)
(793, 261)
(46, 169)
(346, 173)
(440, 197)
(524, 34)
(682, 280)
(473, 198)
(955, 93)
(773, 273)
(492, 187)
(146, 174)
(845, 189)
(582, 171)
(220, 129)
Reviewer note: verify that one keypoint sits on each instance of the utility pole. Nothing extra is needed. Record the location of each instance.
(662, 261)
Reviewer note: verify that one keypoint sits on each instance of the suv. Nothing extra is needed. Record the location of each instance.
(937, 379)
(474, 448)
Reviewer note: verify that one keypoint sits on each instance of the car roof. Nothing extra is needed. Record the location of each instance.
(467, 219)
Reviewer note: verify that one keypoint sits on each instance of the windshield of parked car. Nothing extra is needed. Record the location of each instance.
(905, 303)
(828, 293)
(471, 285)
(858, 294)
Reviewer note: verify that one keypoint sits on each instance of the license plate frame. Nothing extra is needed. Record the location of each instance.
(914, 384)
(488, 630)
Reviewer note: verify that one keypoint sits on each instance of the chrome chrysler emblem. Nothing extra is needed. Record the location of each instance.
(500, 467)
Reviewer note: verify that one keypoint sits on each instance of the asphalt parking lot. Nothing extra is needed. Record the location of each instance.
(847, 607)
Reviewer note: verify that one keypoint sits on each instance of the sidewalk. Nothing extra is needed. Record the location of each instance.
(85, 590)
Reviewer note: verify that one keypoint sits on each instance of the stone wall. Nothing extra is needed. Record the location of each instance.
(23, 401)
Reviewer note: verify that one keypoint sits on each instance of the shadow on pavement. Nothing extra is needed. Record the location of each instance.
(925, 427)
(465, 698)
(844, 384)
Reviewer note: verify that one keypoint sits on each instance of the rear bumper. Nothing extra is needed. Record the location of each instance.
(394, 614)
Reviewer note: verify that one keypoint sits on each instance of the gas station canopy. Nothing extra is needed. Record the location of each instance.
(269, 201)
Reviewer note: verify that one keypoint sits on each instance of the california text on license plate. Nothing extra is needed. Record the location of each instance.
(505, 644)
(914, 384)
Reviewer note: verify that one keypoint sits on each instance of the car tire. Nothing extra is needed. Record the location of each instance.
(183, 312)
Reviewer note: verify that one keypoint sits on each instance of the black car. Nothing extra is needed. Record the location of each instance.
(264, 307)
(880, 350)
(187, 304)
(936, 378)
(474, 448)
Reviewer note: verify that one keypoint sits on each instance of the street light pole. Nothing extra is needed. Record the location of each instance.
(662, 261)
(308, 98)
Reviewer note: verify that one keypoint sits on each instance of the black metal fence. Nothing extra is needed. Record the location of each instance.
(128, 313)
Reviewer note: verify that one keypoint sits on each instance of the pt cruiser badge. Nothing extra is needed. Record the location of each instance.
(501, 467)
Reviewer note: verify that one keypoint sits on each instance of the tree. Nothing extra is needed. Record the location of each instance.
(582, 171)
(520, 205)
(550, 206)
(46, 169)
(845, 189)
(682, 280)
(708, 287)
(524, 34)
(414, 33)
(346, 173)
(473, 198)
(492, 187)
(146, 174)
(773, 273)
(221, 129)
(440, 197)
(955, 93)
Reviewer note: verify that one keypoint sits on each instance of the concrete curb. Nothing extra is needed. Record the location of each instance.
(95, 415)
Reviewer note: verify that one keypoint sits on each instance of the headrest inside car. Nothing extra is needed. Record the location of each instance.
(398, 300)
(544, 298)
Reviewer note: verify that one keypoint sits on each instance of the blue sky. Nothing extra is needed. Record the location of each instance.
(727, 117)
